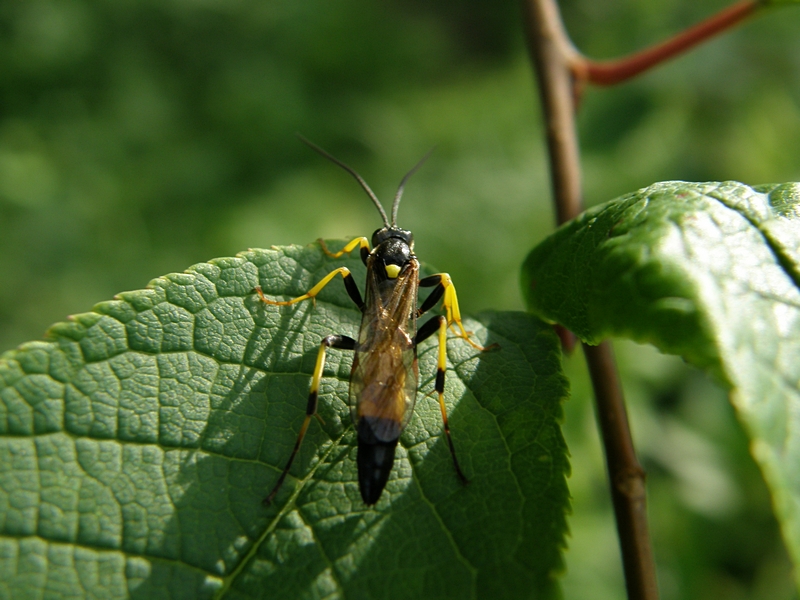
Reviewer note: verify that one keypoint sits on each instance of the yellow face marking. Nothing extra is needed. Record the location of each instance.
(392, 271)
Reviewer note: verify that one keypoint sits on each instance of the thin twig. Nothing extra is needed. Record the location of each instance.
(615, 71)
(562, 73)
(552, 55)
(626, 475)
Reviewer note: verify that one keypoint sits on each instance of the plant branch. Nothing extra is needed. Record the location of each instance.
(618, 70)
(553, 57)
(626, 475)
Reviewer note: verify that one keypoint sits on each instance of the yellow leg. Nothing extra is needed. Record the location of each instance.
(441, 367)
(343, 271)
(450, 305)
(361, 242)
(332, 341)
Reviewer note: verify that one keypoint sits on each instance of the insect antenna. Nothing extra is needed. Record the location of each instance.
(399, 194)
(358, 177)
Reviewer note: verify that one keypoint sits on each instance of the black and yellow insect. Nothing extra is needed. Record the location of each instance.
(383, 381)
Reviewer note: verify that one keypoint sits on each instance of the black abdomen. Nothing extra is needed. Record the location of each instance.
(375, 461)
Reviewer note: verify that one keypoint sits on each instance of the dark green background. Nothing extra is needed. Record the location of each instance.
(137, 138)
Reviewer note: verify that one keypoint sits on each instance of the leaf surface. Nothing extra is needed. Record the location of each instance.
(709, 271)
(138, 440)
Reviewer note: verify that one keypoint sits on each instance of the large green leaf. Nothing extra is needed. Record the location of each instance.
(139, 439)
(709, 271)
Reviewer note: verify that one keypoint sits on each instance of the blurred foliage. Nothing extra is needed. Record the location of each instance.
(137, 138)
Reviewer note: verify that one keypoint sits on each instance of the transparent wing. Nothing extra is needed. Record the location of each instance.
(383, 383)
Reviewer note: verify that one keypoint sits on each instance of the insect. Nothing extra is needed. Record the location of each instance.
(384, 376)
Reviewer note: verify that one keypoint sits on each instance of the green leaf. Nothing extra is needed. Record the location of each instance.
(709, 271)
(138, 441)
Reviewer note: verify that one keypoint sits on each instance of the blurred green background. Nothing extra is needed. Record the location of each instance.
(140, 137)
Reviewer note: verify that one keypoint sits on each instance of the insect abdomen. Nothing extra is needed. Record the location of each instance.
(375, 458)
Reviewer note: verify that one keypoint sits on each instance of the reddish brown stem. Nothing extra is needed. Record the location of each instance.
(550, 53)
(552, 56)
(567, 338)
(618, 70)
(561, 73)
(627, 477)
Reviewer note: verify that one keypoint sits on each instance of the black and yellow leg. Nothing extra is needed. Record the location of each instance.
(341, 342)
(349, 284)
(444, 287)
(429, 328)
(361, 242)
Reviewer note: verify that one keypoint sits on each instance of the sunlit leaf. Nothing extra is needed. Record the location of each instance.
(709, 271)
(139, 439)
